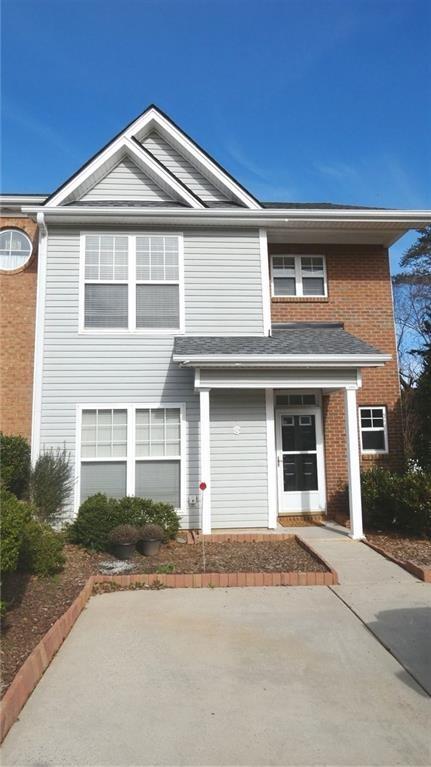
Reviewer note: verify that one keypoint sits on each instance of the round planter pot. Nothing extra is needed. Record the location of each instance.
(149, 548)
(123, 550)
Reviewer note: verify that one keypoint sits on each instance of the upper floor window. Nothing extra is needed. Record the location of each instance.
(132, 282)
(374, 435)
(298, 276)
(15, 249)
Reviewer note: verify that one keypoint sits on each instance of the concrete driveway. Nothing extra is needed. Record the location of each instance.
(222, 677)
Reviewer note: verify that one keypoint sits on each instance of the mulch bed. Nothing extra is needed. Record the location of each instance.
(35, 603)
(417, 550)
(261, 556)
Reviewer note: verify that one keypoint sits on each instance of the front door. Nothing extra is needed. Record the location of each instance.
(300, 461)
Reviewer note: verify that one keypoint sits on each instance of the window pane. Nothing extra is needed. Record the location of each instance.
(106, 306)
(284, 286)
(157, 306)
(159, 480)
(314, 265)
(299, 473)
(313, 286)
(373, 440)
(99, 477)
(15, 249)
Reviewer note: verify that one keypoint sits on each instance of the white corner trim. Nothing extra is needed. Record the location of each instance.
(39, 338)
(271, 459)
(266, 294)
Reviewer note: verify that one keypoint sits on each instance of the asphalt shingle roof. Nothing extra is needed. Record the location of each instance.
(294, 340)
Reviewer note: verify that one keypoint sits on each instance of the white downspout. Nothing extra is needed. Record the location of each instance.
(39, 337)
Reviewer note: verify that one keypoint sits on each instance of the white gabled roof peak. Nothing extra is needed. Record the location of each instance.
(130, 141)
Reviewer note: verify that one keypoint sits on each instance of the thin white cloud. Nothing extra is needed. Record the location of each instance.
(338, 170)
(37, 128)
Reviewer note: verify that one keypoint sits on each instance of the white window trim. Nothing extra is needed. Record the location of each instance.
(298, 275)
(383, 428)
(131, 457)
(10, 230)
(131, 282)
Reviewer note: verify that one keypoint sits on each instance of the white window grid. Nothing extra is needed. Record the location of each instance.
(106, 432)
(15, 249)
(158, 433)
(299, 267)
(172, 258)
(157, 259)
(373, 418)
(106, 258)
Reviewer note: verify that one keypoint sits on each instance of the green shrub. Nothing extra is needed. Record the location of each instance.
(15, 515)
(94, 522)
(15, 464)
(42, 549)
(51, 484)
(98, 515)
(399, 502)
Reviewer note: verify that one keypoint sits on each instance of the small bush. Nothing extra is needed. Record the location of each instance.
(399, 502)
(94, 522)
(51, 484)
(42, 549)
(98, 515)
(123, 534)
(15, 464)
(151, 532)
(15, 515)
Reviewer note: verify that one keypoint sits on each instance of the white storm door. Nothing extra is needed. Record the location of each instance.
(300, 461)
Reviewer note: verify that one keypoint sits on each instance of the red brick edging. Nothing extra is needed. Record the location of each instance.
(420, 571)
(39, 659)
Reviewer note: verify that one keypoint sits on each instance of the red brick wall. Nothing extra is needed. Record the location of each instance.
(359, 295)
(17, 325)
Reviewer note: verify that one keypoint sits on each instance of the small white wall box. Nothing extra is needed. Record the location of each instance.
(193, 499)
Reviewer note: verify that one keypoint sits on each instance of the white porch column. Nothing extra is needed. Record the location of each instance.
(205, 464)
(271, 458)
(353, 464)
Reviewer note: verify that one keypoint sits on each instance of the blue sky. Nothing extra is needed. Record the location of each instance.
(303, 100)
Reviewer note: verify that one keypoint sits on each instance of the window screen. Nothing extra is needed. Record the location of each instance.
(159, 480)
(106, 306)
(313, 276)
(157, 306)
(104, 434)
(100, 477)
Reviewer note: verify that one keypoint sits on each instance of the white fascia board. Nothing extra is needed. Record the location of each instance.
(145, 161)
(285, 360)
(17, 200)
(153, 118)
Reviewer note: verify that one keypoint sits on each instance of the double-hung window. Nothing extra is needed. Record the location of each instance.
(132, 282)
(132, 451)
(374, 434)
(299, 276)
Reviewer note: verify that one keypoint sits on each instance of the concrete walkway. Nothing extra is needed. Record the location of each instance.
(393, 604)
(254, 676)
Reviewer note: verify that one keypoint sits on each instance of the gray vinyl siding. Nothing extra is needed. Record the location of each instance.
(223, 283)
(183, 169)
(239, 473)
(127, 182)
(138, 369)
(277, 378)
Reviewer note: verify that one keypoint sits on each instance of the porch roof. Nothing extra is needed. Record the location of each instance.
(297, 343)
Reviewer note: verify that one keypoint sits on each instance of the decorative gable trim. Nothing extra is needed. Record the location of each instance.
(108, 158)
(129, 140)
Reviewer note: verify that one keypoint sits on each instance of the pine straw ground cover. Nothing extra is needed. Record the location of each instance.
(35, 603)
(417, 550)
